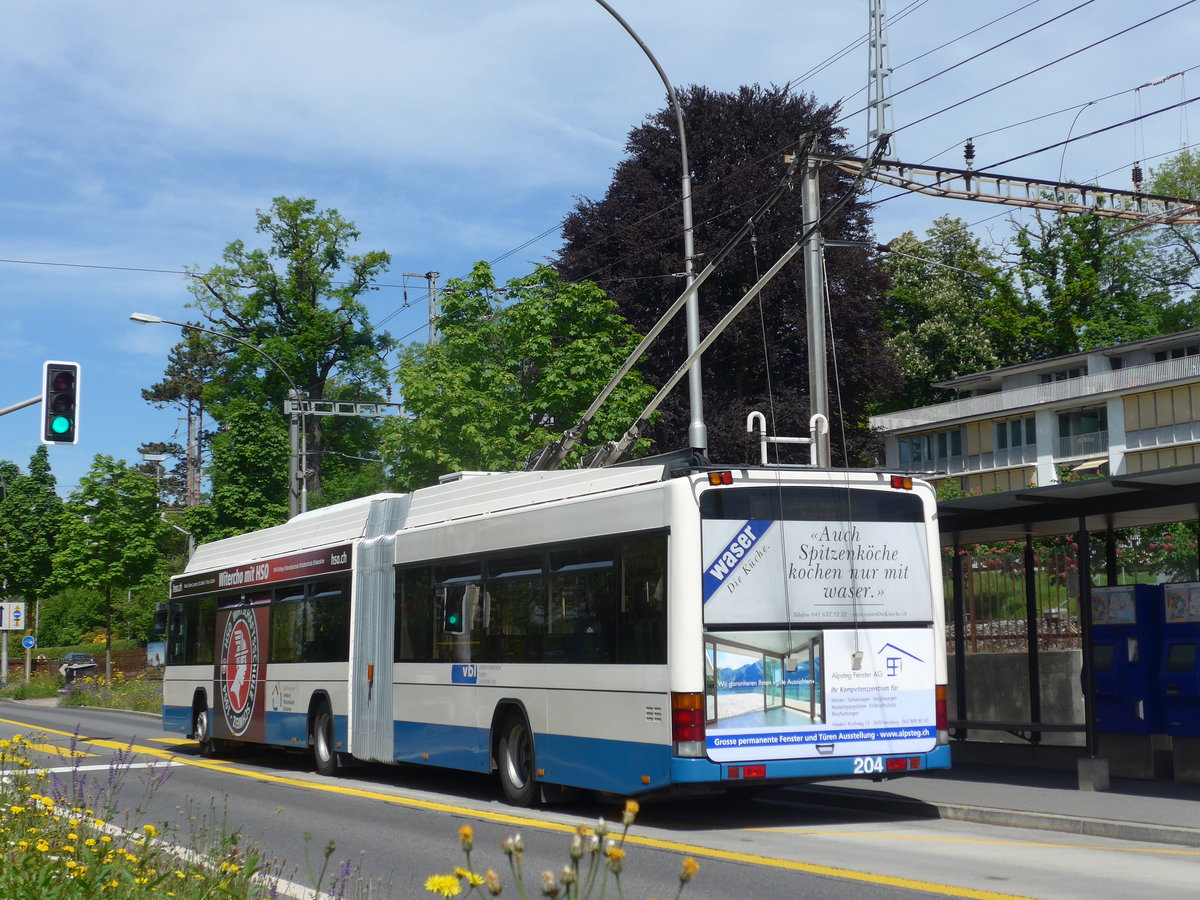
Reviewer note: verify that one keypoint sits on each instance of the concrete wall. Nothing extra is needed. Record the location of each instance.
(998, 691)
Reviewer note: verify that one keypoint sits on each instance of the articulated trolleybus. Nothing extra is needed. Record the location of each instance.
(624, 630)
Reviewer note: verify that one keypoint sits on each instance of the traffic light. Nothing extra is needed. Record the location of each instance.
(60, 402)
(452, 618)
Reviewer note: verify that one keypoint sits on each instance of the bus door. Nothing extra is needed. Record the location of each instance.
(372, 628)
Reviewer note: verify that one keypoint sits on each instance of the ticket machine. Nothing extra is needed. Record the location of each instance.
(1179, 676)
(1126, 648)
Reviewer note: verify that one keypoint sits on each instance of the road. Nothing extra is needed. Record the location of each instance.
(399, 825)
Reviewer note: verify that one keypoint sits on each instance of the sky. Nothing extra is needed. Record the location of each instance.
(139, 138)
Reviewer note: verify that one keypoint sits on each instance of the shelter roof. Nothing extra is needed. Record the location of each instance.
(1159, 497)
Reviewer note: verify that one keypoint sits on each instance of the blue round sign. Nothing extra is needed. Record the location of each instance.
(28, 642)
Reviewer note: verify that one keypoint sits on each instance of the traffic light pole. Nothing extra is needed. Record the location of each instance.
(24, 403)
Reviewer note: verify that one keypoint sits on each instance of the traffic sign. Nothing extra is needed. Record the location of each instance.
(29, 642)
(12, 616)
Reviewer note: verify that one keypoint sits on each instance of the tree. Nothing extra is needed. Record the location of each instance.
(951, 311)
(191, 365)
(31, 516)
(1090, 280)
(1178, 246)
(629, 243)
(299, 301)
(112, 537)
(512, 369)
(248, 475)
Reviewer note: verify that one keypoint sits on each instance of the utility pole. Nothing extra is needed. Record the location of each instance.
(435, 311)
(814, 300)
(879, 73)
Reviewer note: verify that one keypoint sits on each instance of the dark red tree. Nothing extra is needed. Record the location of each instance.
(630, 243)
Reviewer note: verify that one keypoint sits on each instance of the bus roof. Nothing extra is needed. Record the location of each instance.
(467, 495)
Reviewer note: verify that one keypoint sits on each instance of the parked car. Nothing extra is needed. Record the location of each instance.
(78, 665)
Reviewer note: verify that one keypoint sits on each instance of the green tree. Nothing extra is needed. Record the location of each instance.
(1178, 246)
(628, 243)
(112, 538)
(248, 475)
(950, 309)
(31, 516)
(1090, 278)
(300, 301)
(191, 365)
(506, 378)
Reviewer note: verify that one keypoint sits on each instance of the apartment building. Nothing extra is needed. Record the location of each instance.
(1118, 410)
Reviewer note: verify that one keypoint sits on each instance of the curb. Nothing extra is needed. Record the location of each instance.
(1129, 831)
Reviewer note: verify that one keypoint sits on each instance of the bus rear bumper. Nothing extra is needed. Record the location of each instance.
(705, 771)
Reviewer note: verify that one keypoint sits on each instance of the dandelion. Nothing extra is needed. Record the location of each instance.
(443, 885)
(42, 846)
(466, 835)
(631, 810)
(688, 870)
(491, 881)
(549, 885)
(471, 878)
(150, 830)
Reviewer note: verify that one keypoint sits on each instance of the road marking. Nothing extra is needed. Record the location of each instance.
(55, 750)
(1050, 845)
(524, 821)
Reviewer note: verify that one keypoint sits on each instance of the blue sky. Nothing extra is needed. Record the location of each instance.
(140, 138)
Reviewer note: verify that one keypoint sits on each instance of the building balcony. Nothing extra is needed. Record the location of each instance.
(1028, 398)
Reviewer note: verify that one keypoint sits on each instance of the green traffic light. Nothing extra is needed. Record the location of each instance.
(60, 424)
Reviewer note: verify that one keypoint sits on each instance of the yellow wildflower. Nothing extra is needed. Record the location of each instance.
(471, 878)
(443, 885)
(466, 834)
(631, 810)
(150, 830)
(689, 870)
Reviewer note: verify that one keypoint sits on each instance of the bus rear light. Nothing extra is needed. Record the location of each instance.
(902, 763)
(737, 773)
(940, 715)
(716, 478)
(902, 482)
(687, 718)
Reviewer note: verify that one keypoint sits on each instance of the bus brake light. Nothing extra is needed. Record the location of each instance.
(941, 718)
(687, 718)
(716, 478)
(902, 482)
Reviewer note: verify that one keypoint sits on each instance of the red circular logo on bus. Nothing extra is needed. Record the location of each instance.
(239, 669)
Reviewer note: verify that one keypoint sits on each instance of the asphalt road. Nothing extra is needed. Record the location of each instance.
(399, 825)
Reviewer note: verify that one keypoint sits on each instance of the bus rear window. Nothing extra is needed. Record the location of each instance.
(810, 504)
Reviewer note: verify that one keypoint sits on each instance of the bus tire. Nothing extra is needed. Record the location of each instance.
(325, 752)
(515, 759)
(202, 729)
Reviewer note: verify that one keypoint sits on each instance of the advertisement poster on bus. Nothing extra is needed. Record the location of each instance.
(858, 687)
(241, 670)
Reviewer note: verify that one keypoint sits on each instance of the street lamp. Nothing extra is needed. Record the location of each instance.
(298, 459)
(697, 431)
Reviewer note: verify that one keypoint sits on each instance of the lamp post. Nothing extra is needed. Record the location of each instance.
(297, 462)
(697, 431)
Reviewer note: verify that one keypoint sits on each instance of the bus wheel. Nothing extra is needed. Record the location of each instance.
(203, 731)
(516, 759)
(322, 741)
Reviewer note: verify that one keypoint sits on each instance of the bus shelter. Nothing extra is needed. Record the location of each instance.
(1089, 510)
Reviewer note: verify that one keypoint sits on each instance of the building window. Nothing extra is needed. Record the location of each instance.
(1083, 432)
(1177, 353)
(931, 449)
(1016, 433)
(1062, 375)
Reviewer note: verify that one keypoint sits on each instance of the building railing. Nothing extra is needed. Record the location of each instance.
(1153, 375)
(1082, 445)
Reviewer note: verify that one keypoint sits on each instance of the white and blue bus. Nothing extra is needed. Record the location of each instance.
(624, 630)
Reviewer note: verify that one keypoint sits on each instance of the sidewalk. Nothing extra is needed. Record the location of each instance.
(1156, 811)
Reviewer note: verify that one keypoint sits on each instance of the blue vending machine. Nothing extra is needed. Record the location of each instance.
(1126, 653)
(1179, 677)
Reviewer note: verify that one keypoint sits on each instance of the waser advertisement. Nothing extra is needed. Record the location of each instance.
(813, 691)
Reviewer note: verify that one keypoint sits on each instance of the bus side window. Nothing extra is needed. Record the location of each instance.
(643, 615)
(414, 615)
